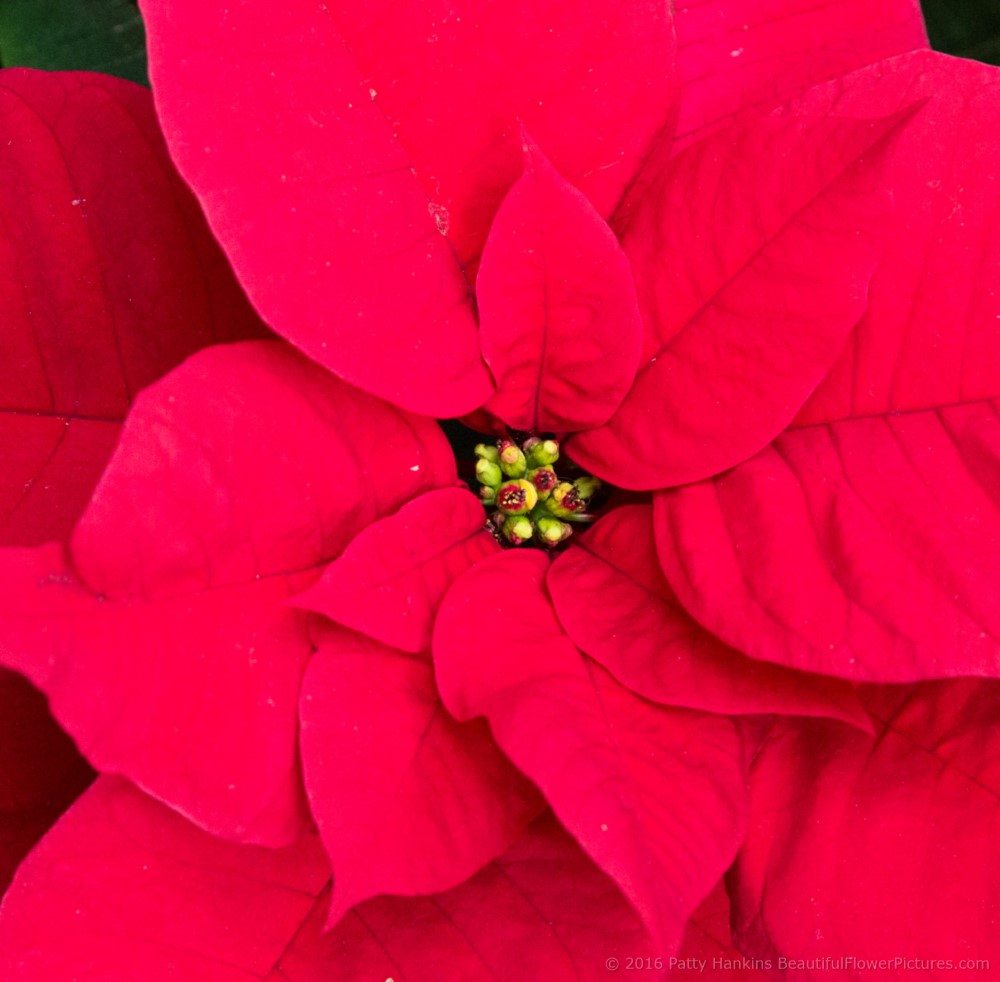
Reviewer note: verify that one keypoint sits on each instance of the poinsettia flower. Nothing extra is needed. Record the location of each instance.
(225, 661)
(722, 340)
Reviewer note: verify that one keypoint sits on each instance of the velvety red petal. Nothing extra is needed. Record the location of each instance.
(743, 323)
(246, 462)
(863, 549)
(543, 910)
(558, 315)
(878, 849)
(346, 169)
(320, 211)
(614, 603)
(929, 337)
(408, 801)
(122, 888)
(145, 688)
(40, 771)
(389, 582)
(165, 630)
(656, 796)
(108, 279)
(733, 54)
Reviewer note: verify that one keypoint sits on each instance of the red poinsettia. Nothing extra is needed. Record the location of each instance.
(161, 631)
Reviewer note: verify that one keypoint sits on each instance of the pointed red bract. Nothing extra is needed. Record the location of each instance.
(656, 796)
(613, 602)
(145, 687)
(408, 801)
(559, 319)
(543, 910)
(929, 337)
(108, 279)
(734, 54)
(122, 889)
(865, 549)
(325, 222)
(165, 631)
(743, 321)
(389, 582)
(878, 849)
(368, 130)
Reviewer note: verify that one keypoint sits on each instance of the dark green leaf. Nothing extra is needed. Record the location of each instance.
(96, 35)
(969, 28)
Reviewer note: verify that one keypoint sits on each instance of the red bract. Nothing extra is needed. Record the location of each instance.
(560, 324)
(614, 602)
(735, 54)
(407, 800)
(883, 853)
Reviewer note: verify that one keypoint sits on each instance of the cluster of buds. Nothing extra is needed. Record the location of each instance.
(525, 497)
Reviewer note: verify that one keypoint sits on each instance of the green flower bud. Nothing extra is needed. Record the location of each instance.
(487, 494)
(488, 473)
(551, 531)
(516, 497)
(544, 480)
(565, 500)
(541, 453)
(587, 486)
(517, 529)
(512, 461)
(487, 452)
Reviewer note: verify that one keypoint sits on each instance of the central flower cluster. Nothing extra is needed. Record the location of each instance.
(526, 499)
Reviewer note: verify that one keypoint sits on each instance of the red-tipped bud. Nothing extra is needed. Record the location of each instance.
(544, 480)
(512, 461)
(551, 531)
(517, 529)
(565, 500)
(516, 497)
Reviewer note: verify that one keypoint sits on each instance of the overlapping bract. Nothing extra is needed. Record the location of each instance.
(788, 270)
